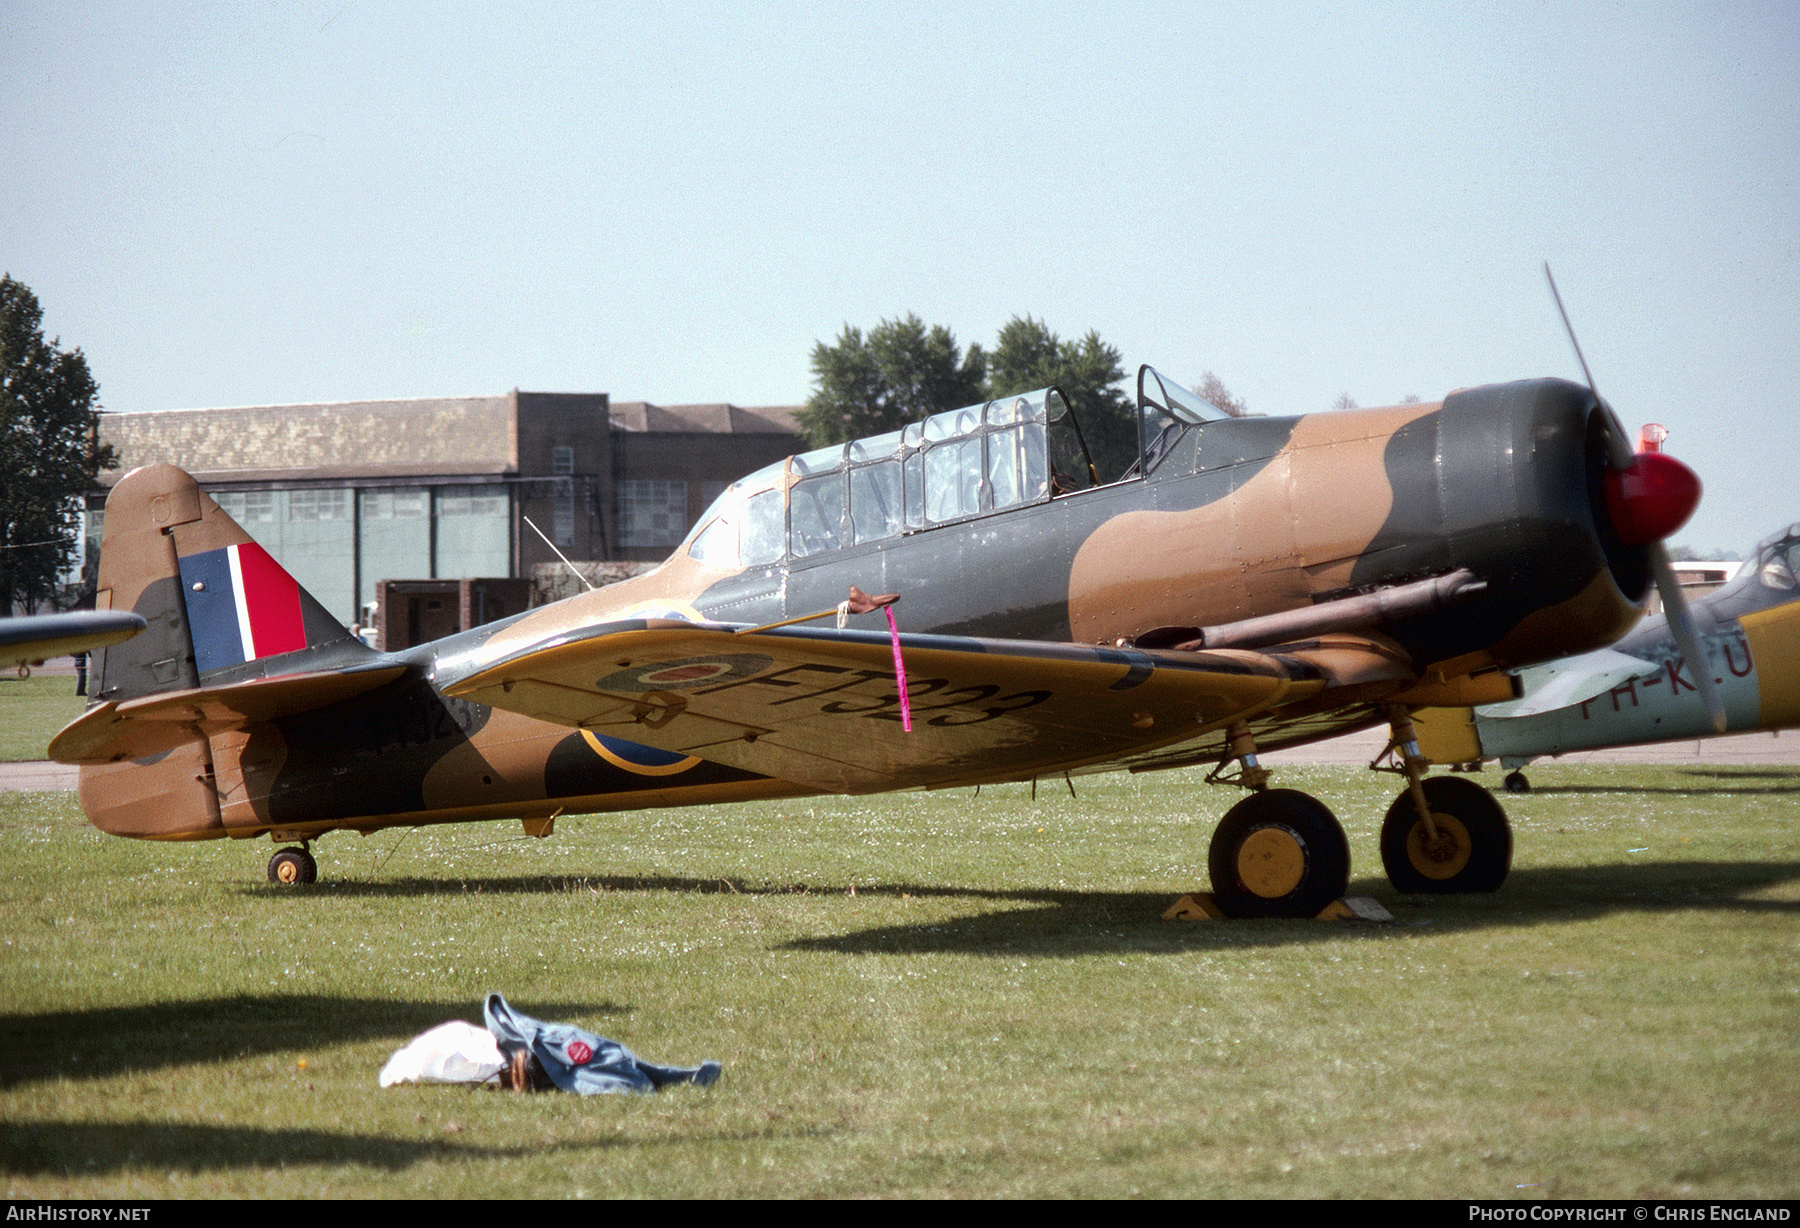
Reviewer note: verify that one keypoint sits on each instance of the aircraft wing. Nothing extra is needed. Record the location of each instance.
(820, 706)
(39, 637)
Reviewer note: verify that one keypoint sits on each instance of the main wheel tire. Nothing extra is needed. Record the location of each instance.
(291, 867)
(1278, 853)
(1473, 851)
(1516, 782)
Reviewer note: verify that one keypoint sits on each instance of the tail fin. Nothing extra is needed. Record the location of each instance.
(219, 608)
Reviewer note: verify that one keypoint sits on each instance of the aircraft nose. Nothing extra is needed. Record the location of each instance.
(1650, 498)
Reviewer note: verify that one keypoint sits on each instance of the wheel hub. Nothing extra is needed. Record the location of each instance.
(1271, 862)
(1445, 857)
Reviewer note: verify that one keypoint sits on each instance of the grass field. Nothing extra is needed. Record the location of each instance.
(32, 710)
(921, 995)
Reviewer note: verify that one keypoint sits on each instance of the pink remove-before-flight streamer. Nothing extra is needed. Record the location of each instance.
(899, 671)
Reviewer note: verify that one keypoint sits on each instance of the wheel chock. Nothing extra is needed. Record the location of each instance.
(1356, 908)
(1201, 906)
(1197, 907)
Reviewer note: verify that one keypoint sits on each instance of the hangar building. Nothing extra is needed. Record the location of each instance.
(349, 494)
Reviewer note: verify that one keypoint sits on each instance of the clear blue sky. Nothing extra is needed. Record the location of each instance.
(263, 203)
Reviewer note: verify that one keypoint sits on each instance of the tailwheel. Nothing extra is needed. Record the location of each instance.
(293, 866)
(1516, 782)
(1473, 849)
(1278, 853)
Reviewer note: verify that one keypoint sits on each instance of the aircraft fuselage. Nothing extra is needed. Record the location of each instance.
(1226, 520)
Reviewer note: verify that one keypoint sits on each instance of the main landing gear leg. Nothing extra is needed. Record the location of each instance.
(292, 866)
(1443, 835)
(1277, 853)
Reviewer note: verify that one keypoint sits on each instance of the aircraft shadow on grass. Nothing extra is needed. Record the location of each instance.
(72, 1149)
(76, 1149)
(523, 884)
(1055, 923)
(1074, 923)
(109, 1041)
(602, 884)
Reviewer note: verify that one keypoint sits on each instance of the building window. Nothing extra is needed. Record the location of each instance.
(471, 501)
(318, 505)
(652, 513)
(247, 506)
(393, 504)
(562, 525)
(562, 528)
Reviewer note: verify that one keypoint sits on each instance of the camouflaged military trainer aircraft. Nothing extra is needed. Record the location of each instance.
(1643, 688)
(1247, 583)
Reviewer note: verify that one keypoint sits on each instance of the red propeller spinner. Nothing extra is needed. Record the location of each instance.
(1650, 498)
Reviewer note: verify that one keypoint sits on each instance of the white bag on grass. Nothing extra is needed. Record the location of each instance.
(454, 1052)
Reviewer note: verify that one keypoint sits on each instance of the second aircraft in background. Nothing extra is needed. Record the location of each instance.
(1642, 689)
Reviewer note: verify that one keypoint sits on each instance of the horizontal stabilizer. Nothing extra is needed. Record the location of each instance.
(154, 724)
(1561, 683)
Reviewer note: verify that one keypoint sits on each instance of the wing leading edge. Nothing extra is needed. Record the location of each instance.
(820, 706)
(38, 637)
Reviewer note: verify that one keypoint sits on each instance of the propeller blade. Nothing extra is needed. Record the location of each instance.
(1570, 329)
(1647, 500)
(1618, 442)
(1687, 636)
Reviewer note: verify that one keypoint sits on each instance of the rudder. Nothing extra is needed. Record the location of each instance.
(218, 605)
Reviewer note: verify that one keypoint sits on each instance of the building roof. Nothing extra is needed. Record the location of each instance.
(719, 418)
(349, 440)
(437, 435)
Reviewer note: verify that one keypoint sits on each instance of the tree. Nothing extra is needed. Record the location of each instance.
(1213, 391)
(50, 454)
(1029, 356)
(902, 372)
